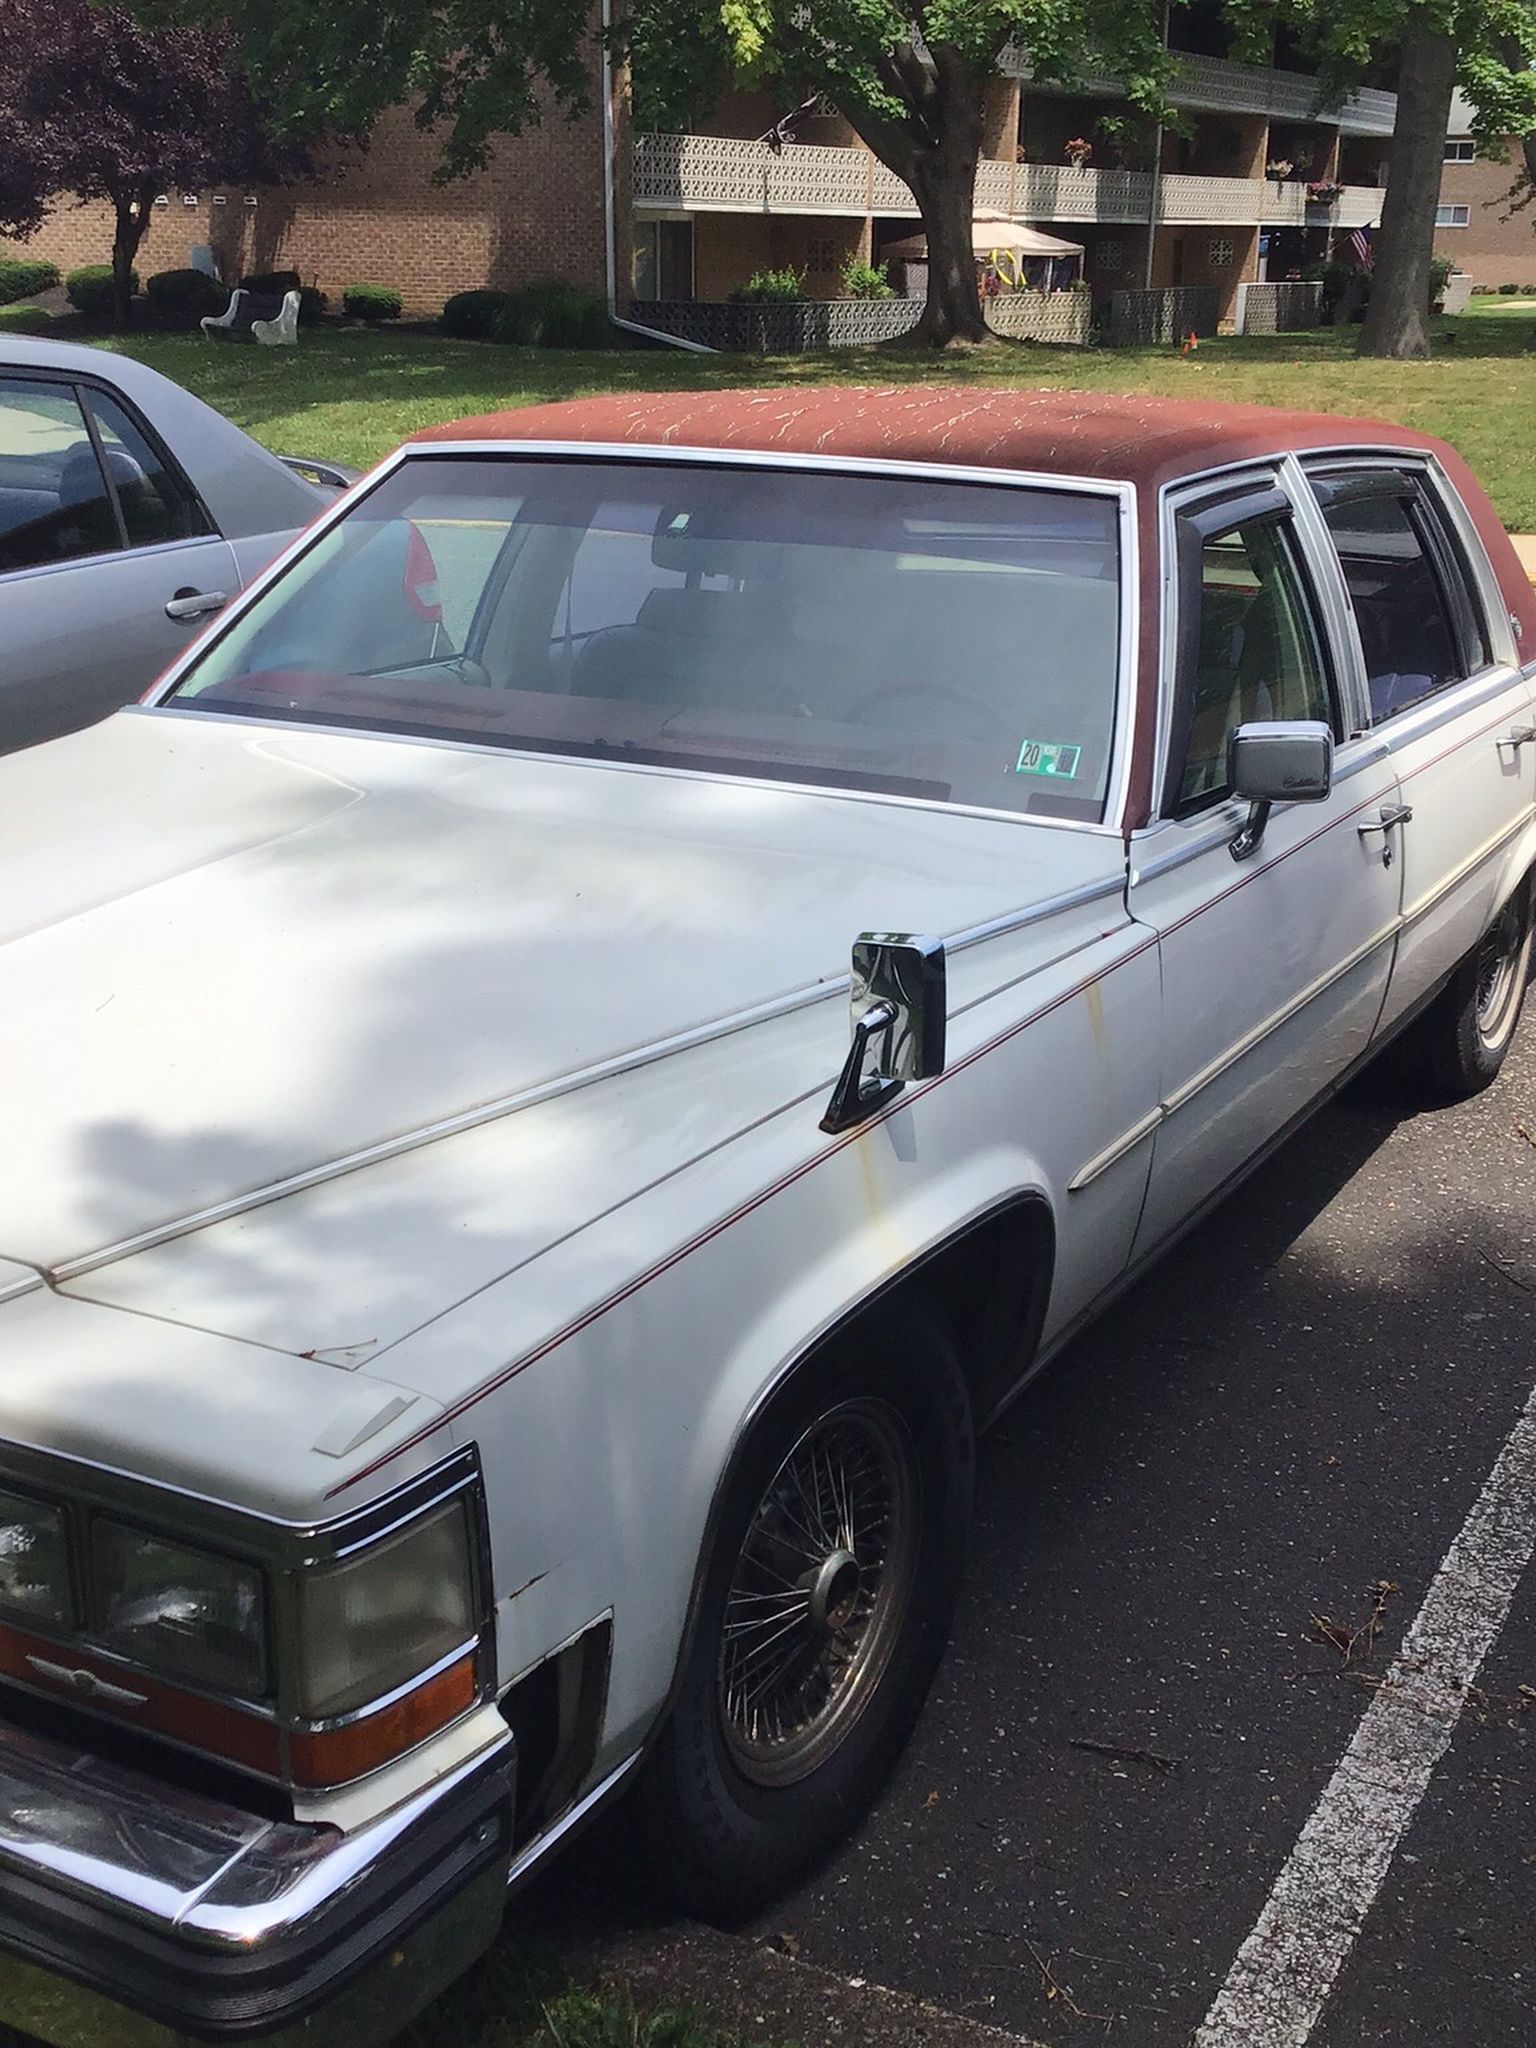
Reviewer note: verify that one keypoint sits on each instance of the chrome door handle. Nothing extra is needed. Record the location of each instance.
(191, 604)
(1522, 736)
(1388, 816)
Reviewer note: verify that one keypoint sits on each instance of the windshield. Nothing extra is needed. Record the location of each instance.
(955, 642)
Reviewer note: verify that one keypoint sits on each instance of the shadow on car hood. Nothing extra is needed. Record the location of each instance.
(231, 953)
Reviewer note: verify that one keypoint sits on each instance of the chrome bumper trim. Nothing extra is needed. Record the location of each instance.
(188, 1916)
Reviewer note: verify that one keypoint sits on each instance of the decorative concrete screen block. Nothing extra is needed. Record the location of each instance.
(1142, 319)
(776, 330)
(1058, 192)
(1278, 308)
(1222, 253)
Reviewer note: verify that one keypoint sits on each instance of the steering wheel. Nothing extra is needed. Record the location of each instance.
(886, 693)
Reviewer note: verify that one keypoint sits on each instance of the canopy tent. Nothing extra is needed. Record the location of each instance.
(1015, 256)
(991, 233)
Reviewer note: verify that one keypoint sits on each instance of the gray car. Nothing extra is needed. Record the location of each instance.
(129, 512)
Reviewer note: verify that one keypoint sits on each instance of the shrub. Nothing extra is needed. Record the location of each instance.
(1440, 269)
(24, 320)
(553, 314)
(1509, 291)
(23, 277)
(371, 302)
(863, 280)
(770, 288)
(182, 297)
(470, 316)
(90, 287)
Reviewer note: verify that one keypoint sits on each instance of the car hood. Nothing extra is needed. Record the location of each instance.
(233, 954)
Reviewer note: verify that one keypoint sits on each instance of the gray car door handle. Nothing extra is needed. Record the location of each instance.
(191, 604)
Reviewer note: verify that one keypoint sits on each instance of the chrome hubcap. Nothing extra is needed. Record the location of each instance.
(819, 1593)
(1501, 963)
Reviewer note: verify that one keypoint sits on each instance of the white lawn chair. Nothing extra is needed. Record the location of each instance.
(283, 332)
(227, 318)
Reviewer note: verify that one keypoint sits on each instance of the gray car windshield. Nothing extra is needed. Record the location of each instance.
(948, 641)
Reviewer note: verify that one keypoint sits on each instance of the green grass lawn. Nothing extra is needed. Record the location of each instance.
(353, 394)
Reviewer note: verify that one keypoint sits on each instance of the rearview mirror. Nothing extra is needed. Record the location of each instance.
(898, 1006)
(1280, 761)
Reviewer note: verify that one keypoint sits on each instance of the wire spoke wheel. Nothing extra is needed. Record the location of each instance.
(819, 1593)
(1501, 963)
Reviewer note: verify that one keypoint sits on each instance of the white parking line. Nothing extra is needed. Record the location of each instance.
(1284, 1971)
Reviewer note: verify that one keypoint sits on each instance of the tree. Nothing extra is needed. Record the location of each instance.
(95, 105)
(1485, 45)
(909, 75)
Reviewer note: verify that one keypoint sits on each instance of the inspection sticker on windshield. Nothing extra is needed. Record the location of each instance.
(1044, 757)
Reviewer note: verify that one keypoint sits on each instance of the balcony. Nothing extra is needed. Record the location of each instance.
(719, 174)
(1358, 206)
(1216, 85)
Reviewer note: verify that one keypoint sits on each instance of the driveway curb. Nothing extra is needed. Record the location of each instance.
(764, 1994)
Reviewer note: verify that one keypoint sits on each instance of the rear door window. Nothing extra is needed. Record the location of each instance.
(1420, 622)
(157, 502)
(54, 502)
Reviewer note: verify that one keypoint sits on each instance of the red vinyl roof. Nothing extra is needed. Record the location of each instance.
(1112, 435)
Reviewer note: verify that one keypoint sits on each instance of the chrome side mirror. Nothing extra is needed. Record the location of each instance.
(898, 1007)
(1281, 761)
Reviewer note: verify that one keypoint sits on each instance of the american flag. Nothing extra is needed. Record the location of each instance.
(1360, 242)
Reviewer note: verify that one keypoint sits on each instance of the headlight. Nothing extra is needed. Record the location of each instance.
(377, 1620)
(34, 1561)
(181, 1611)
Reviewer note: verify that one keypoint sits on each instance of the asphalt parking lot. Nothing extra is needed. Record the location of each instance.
(1200, 1540)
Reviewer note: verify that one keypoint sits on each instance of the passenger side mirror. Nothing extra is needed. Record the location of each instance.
(898, 1005)
(1284, 761)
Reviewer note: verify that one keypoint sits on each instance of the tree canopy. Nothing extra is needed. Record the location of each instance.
(95, 105)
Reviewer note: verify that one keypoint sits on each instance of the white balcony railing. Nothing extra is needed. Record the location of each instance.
(1058, 192)
(1216, 85)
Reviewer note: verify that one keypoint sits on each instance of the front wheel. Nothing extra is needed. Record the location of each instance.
(826, 1602)
(1461, 1040)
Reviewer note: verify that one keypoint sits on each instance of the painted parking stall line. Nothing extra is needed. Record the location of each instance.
(1282, 1976)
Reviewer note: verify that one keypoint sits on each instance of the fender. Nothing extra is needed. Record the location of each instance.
(1027, 1204)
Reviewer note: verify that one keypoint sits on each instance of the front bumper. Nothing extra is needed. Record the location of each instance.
(135, 1916)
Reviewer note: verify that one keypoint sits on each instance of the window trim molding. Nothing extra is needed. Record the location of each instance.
(1197, 519)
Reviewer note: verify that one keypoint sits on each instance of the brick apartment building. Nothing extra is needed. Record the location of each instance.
(1475, 227)
(1256, 186)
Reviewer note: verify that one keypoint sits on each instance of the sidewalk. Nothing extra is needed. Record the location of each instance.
(1525, 548)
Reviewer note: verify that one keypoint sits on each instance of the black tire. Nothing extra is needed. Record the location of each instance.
(1460, 1042)
(728, 1813)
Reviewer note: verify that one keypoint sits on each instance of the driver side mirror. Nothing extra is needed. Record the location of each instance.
(898, 1010)
(1277, 761)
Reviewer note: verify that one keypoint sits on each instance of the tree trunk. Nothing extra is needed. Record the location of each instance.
(132, 216)
(945, 191)
(1397, 324)
(935, 152)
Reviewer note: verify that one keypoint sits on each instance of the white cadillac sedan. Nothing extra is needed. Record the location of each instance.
(610, 1012)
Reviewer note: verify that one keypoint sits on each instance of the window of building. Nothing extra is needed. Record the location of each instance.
(663, 259)
(820, 255)
(1420, 625)
(1110, 256)
(1222, 252)
(1452, 216)
(1254, 651)
(1460, 149)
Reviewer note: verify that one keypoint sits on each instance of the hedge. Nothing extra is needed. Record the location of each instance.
(371, 302)
(24, 320)
(185, 295)
(90, 287)
(23, 277)
(472, 316)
